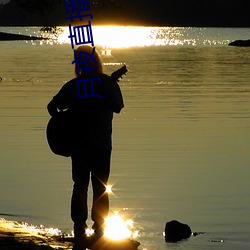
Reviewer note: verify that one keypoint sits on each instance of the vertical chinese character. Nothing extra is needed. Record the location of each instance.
(81, 35)
(83, 87)
(82, 61)
(76, 6)
(74, 9)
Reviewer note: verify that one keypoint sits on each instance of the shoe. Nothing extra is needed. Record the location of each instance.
(78, 247)
(81, 242)
(80, 230)
(80, 237)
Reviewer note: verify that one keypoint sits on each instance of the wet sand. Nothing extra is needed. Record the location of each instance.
(12, 241)
(15, 235)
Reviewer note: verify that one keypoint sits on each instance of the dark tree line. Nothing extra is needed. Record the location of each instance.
(131, 12)
(31, 12)
(37, 5)
(53, 12)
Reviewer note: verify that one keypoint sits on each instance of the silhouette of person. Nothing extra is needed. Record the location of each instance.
(91, 97)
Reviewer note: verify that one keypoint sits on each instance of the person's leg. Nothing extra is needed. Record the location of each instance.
(79, 207)
(99, 178)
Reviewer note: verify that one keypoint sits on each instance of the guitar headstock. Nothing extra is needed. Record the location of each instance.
(119, 73)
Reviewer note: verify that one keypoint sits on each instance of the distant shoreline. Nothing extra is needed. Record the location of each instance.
(15, 37)
(131, 25)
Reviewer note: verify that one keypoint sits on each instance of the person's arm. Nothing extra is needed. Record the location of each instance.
(52, 108)
(61, 100)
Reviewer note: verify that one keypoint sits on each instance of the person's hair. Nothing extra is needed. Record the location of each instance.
(89, 50)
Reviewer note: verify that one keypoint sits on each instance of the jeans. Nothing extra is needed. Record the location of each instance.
(86, 163)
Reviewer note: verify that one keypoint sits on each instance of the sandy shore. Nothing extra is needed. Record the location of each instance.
(12, 242)
(15, 235)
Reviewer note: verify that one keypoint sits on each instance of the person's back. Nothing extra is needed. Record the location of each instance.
(91, 115)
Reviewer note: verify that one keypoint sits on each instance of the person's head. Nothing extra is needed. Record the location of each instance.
(84, 53)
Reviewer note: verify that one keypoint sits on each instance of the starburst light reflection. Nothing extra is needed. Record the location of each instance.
(109, 189)
(116, 228)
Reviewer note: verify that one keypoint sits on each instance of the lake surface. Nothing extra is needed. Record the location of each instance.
(180, 146)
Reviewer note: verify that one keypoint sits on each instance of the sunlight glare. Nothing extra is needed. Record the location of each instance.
(121, 36)
(64, 36)
(117, 228)
(108, 189)
(111, 37)
(89, 232)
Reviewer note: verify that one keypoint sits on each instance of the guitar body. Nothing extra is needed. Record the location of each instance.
(58, 133)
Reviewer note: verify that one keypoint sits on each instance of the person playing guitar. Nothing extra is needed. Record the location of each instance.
(81, 127)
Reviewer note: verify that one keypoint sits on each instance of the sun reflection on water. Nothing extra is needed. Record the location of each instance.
(109, 189)
(109, 37)
(114, 36)
(116, 228)
(125, 37)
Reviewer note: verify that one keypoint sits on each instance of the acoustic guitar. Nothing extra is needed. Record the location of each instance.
(59, 126)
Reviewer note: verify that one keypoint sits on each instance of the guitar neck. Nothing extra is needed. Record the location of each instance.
(119, 73)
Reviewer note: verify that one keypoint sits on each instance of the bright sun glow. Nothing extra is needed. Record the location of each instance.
(89, 232)
(108, 189)
(114, 36)
(121, 37)
(119, 229)
(111, 37)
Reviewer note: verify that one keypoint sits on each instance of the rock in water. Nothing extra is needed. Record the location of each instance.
(176, 231)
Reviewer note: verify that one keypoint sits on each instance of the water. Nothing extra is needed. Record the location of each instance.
(180, 145)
